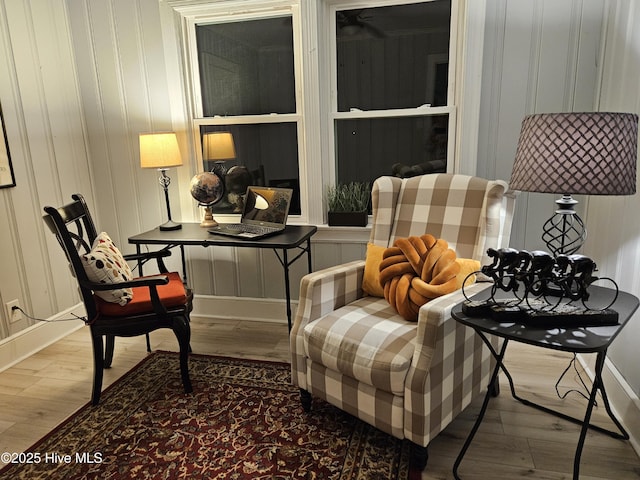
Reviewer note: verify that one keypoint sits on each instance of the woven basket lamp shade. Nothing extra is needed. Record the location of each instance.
(590, 153)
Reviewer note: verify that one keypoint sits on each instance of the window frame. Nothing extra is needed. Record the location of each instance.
(316, 94)
(234, 11)
(331, 78)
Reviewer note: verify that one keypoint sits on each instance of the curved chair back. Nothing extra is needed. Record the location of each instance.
(75, 231)
(463, 210)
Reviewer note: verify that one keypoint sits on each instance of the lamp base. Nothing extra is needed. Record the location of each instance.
(170, 225)
(565, 232)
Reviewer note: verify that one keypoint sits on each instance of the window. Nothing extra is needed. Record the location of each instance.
(391, 109)
(365, 89)
(247, 88)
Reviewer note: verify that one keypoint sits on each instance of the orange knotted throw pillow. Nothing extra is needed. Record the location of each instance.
(415, 270)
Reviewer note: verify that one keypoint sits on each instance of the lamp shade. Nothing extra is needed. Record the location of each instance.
(159, 150)
(591, 153)
(218, 146)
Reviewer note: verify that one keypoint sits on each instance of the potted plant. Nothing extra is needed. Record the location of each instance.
(348, 204)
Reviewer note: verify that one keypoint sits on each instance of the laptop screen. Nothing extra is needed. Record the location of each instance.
(267, 205)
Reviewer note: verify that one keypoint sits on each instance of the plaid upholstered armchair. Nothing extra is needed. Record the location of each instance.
(409, 379)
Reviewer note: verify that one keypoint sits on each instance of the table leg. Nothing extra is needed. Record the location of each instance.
(598, 385)
(138, 252)
(494, 378)
(287, 287)
(286, 263)
(184, 265)
(586, 423)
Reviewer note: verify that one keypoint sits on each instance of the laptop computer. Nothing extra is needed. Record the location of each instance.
(265, 213)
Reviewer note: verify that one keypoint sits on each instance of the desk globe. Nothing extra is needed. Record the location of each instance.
(208, 189)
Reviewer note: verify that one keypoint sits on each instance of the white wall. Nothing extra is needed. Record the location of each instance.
(48, 144)
(540, 56)
(613, 223)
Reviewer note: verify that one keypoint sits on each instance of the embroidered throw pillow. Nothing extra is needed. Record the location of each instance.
(105, 264)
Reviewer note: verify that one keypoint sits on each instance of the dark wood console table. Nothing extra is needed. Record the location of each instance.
(567, 339)
(296, 237)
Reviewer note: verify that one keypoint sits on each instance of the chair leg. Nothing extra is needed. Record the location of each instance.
(305, 400)
(108, 353)
(419, 456)
(494, 388)
(182, 330)
(148, 343)
(98, 367)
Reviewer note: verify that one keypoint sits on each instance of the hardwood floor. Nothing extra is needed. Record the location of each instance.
(514, 441)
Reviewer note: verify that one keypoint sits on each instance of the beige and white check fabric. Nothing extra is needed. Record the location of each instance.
(407, 379)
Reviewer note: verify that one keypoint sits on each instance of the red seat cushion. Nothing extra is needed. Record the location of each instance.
(172, 294)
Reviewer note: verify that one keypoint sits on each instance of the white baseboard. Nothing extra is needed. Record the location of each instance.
(625, 404)
(242, 308)
(32, 339)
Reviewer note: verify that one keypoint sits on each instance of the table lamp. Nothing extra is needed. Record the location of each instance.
(218, 147)
(590, 153)
(160, 150)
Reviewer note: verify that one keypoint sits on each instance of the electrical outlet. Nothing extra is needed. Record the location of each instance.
(13, 315)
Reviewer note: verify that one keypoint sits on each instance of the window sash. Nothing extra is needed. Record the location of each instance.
(334, 115)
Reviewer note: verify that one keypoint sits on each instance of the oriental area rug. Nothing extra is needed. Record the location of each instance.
(242, 421)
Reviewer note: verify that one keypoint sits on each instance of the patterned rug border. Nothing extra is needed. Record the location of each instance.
(348, 468)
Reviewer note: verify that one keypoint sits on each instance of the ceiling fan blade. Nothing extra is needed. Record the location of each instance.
(375, 31)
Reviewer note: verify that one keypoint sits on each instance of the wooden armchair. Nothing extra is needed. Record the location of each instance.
(409, 379)
(117, 304)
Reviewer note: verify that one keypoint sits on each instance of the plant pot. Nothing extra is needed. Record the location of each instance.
(348, 219)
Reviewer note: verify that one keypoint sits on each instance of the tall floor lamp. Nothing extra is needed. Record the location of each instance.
(590, 153)
(160, 150)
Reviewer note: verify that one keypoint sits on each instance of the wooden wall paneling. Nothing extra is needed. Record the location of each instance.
(12, 206)
(112, 189)
(81, 19)
(152, 56)
(62, 97)
(325, 255)
(588, 61)
(200, 273)
(381, 78)
(513, 87)
(139, 189)
(298, 270)
(158, 98)
(614, 235)
(225, 270)
(44, 127)
(11, 281)
(121, 68)
(547, 62)
(353, 251)
(490, 99)
(33, 55)
(251, 276)
(555, 59)
(273, 276)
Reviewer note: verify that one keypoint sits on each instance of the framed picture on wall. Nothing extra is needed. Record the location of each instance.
(7, 179)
